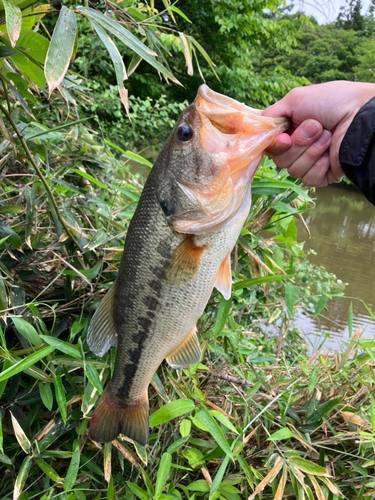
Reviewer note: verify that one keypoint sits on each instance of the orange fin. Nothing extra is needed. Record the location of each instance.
(101, 335)
(187, 353)
(223, 281)
(184, 262)
(113, 417)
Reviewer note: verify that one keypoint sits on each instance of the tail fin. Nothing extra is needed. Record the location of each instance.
(113, 417)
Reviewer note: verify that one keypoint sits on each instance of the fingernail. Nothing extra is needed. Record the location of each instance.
(323, 139)
(309, 129)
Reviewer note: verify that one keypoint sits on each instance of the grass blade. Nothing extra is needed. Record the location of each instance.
(60, 396)
(215, 431)
(163, 472)
(25, 363)
(72, 473)
(171, 410)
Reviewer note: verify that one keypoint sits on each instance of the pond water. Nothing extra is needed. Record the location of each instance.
(342, 226)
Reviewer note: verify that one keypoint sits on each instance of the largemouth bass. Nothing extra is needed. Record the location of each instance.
(177, 249)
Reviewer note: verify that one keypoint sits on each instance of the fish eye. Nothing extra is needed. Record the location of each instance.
(184, 133)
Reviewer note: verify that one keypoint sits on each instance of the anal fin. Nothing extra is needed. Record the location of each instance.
(184, 262)
(223, 281)
(101, 334)
(187, 353)
(113, 417)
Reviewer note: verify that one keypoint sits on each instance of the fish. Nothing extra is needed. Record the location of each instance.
(195, 201)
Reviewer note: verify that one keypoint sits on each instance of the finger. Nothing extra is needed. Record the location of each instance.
(332, 178)
(280, 145)
(311, 155)
(317, 175)
(324, 183)
(306, 134)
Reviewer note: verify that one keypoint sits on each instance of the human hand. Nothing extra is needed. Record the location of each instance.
(320, 115)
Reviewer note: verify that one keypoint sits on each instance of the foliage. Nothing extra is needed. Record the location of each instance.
(150, 118)
(323, 54)
(342, 50)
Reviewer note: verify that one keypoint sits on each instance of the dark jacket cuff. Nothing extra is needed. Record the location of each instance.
(357, 151)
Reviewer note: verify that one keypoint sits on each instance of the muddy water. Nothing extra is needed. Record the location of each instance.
(342, 226)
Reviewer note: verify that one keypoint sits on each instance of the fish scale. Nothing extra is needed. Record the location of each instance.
(167, 274)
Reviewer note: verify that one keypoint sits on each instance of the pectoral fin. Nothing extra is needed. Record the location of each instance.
(187, 353)
(223, 281)
(101, 335)
(184, 262)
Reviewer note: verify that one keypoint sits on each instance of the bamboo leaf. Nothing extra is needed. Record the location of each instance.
(289, 298)
(62, 346)
(29, 22)
(163, 472)
(221, 418)
(128, 39)
(107, 461)
(60, 49)
(93, 377)
(219, 476)
(269, 478)
(10, 209)
(215, 431)
(22, 439)
(30, 210)
(48, 470)
(118, 63)
(13, 16)
(142, 494)
(73, 468)
(89, 178)
(1, 434)
(27, 331)
(171, 410)
(372, 414)
(45, 392)
(320, 305)
(306, 466)
(22, 476)
(258, 187)
(25, 363)
(60, 396)
(221, 315)
(179, 12)
(260, 281)
(110, 490)
(350, 320)
(187, 53)
(284, 433)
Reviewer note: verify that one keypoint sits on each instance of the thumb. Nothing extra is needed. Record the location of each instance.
(281, 108)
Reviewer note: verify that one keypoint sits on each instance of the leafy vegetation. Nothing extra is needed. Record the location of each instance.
(342, 50)
(258, 415)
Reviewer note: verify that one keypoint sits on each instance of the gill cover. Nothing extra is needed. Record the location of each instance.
(212, 156)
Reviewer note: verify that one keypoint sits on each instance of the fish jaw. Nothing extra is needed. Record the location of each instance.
(233, 136)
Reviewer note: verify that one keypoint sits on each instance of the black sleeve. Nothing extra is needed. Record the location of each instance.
(357, 151)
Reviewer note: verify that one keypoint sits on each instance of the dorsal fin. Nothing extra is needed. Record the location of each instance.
(187, 353)
(101, 335)
(184, 262)
(223, 281)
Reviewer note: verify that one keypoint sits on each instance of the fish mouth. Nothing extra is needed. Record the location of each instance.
(232, 117)
(234, 135)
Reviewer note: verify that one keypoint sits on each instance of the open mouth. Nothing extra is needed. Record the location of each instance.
(235, 136)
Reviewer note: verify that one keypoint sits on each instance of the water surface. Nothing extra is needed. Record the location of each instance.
(342, 226)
